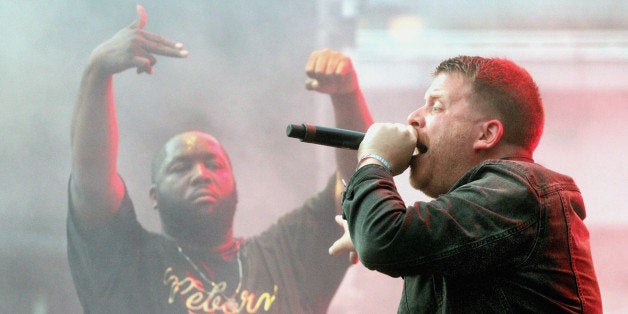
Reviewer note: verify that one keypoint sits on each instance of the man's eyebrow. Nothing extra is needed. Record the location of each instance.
(177, 159)
(185, 158)
(430, 95)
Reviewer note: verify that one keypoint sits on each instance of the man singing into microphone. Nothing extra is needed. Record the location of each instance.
(502, 234)
(197, 266)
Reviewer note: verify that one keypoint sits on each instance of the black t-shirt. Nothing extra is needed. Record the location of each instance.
(122, 268)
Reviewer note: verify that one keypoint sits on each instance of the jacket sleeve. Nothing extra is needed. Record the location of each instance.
(488, 219)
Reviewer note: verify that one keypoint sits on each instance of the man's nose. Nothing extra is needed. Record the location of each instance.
(416, 118)
(201, 172)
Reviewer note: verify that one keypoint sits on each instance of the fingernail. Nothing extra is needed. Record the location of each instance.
(311, 84)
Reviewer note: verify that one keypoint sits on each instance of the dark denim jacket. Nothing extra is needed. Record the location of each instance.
(507, 238)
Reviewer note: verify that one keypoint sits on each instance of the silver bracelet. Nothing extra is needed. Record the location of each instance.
(378, 158)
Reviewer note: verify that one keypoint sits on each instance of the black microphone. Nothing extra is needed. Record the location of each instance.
(334, 137)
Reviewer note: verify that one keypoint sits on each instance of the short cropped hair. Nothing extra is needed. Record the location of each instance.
(162, 154)
(502, 88)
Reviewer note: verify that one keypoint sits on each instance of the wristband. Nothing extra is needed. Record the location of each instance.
(378, 158)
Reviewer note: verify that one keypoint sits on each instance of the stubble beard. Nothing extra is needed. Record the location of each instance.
(441, 176)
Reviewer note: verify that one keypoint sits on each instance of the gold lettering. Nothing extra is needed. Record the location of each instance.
(173, 286)
(269, 298)
(176, 284)
(248, 298)
(195, 301)
(196, 298)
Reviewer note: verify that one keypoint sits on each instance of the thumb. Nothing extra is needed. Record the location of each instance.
(141, 18)
(311, 84)
(335, 248)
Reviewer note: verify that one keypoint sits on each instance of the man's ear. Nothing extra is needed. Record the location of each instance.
(153, 196)
(491, 134)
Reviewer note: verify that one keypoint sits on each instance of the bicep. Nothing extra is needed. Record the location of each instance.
(95, 201)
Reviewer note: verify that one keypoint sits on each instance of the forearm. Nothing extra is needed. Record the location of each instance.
(487, 221)
(94, 141)
(96, 188)
(351, 112)
(375, 214)
(332, 73)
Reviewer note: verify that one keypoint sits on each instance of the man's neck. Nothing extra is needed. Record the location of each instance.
(225, 250)
(506, 151)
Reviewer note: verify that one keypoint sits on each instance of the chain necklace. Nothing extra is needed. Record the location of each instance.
(230, 301)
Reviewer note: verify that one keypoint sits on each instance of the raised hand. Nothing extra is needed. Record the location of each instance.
(134, 47)
(330, 72)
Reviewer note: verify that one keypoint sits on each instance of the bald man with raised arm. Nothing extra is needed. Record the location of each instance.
(196, 265)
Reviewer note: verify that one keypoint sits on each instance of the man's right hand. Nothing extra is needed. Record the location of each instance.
(331, 72)
(395, 142)
(134, 47)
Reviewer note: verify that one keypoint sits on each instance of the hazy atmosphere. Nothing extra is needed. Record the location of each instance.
(244, 83)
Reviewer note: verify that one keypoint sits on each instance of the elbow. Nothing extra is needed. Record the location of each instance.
(383, 261)
(374, 253)
(380, 261)
(385, 251)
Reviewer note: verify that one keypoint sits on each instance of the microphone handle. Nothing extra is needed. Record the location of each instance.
(334, 137)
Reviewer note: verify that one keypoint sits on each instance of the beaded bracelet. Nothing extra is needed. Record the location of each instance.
(378, 158)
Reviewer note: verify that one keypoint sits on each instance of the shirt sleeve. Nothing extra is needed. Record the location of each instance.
(488, 219)
(100, 256)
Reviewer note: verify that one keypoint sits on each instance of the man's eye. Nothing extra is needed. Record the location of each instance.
(179, 167)
(211, 165)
